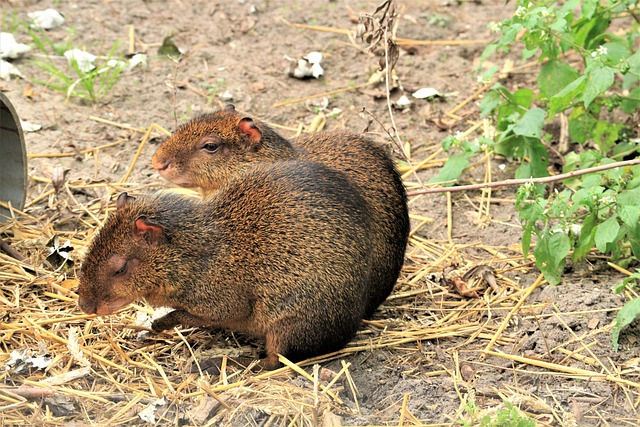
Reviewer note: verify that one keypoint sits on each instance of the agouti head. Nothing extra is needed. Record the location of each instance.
(124, 245)
(209, 150)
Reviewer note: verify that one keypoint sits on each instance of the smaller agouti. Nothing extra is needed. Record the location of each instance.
(281, 251)
(211, 149)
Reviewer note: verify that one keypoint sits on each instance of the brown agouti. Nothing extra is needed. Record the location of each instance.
(209, 150)
(282, 251)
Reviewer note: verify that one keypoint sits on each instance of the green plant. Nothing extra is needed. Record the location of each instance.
(76, 79)
(600, 209)
(629, 312)
(507, 416)
(592, 77)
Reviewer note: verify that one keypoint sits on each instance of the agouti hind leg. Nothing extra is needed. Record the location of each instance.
(285, 337)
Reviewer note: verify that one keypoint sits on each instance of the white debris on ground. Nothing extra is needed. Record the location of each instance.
(22, 359)
(10, 48)
(307, 66)
(46, 19)
(426, 92)
(83, 59)
(144, 320)
(7, 70)
(148, 414)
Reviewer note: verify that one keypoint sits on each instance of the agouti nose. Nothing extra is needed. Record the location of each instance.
(160, 165)
(88, 306)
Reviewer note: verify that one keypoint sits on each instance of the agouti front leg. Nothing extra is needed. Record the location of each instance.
(178, 317)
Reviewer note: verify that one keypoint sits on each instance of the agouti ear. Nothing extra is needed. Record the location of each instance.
(230, 107)
(150, 232)
(123, 200)
(250, 132)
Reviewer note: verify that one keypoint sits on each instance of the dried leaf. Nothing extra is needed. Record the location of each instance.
(463, 287)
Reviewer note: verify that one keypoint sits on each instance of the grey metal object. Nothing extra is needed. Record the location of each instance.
(13, 158)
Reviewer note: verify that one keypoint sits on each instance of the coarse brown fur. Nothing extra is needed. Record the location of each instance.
(281, 252)
(209, 150)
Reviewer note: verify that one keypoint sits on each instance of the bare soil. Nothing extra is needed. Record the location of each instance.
(420, 360)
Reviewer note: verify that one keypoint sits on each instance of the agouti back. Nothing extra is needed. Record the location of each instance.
(209, 150)
(281, 251)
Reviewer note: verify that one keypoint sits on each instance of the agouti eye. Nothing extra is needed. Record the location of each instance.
(211, 147)
(122, 270)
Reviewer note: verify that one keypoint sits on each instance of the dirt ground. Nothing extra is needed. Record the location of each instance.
(420, 360)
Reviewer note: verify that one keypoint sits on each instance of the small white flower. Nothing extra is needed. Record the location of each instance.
(545, 12)
(576, 229)
(602, 50)
(529, 5)
(84, 59)
(494, 27)
(606, 200)
(460, 136)
(520, 11)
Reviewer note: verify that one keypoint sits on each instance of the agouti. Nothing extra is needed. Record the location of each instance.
(209, 150)
(282, 251)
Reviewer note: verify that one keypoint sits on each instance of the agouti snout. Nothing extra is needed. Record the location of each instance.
(280, 252)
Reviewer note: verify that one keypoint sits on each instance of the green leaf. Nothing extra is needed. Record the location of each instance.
(587, 31)
(554, 76)
(551, 255)
(581, 124)
(627, 314)
(452, 169)
(598, 81)
(616, 53)
(526, 242)
(622, 285)
(589, 8)
(633, 236)
(606, 233)
(536, 159)
(630, 197)
(563, 99)
(530, 125)
(522, 97)
(169, 48)
(586, 239)
(632, 104)
(634, 63)
(605, 134)
(489, 103)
